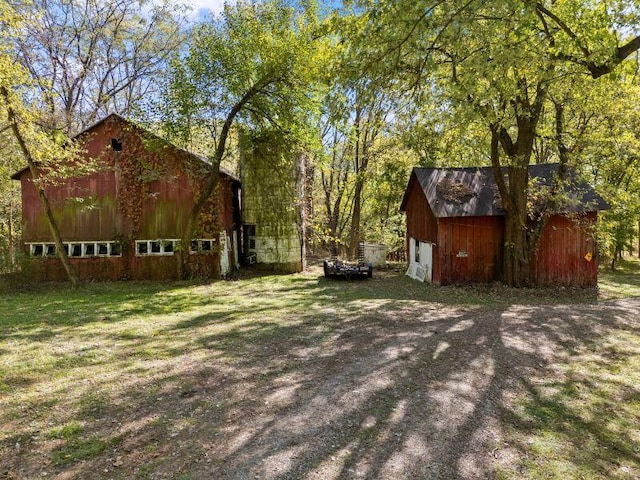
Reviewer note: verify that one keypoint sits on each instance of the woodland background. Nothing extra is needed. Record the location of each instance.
(362, 91)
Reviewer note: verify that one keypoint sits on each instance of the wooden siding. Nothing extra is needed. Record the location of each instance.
(469, 249)
(89, 208)
(421, 223)
(127, 267)
(560, 257)
(84, 208)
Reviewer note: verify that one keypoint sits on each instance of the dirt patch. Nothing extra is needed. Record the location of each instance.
(344, 382)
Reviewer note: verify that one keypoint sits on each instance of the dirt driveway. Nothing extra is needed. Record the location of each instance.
(401, 394)
(343, 389)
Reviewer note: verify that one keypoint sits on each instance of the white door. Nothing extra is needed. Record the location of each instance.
(224, 254)
(420, 260)
(426, 260)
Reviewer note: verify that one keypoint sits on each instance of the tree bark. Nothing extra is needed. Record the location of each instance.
(514, 203)
(12, 247)
(53, 226)
(212, 180)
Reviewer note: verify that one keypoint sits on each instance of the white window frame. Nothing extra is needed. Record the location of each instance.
(163, 243)
(69, 246)
(200, 245)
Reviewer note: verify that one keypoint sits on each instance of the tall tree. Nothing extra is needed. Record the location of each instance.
(39, 149)
(9, 200)
(90, 57)
(499, 61)
(256, 65)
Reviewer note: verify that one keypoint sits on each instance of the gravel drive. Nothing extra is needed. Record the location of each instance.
(400, 394)
(346, 381)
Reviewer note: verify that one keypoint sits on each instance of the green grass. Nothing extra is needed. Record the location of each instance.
(621, 283)
(86, 373)
(75, 445)
(585, 423)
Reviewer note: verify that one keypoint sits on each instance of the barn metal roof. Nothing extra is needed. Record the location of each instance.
(473, 192)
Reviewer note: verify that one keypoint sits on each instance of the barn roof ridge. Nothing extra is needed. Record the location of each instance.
(202, 158)
(473, 192)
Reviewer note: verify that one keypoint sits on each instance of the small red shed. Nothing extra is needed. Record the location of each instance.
(124, 218)
(455, 228)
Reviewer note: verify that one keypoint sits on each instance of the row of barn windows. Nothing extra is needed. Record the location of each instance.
(77, 249)
(114, 249)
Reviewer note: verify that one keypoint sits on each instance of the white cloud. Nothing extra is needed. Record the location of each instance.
(202, 7)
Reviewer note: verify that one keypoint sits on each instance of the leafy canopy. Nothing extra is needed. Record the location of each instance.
(256, 63)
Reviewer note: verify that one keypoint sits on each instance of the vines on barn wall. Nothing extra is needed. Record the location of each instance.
(143, 161)
(210, 219)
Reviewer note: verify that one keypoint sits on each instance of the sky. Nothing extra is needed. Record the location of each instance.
(203, 8)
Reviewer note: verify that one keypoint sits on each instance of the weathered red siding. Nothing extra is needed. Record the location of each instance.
(560, 257)
(422, 224)
(469, 249)
(98, 206)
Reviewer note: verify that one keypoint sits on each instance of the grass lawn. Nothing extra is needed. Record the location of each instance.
(217, 380)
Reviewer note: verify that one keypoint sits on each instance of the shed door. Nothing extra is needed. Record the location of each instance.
(426, 260)
(420, 260)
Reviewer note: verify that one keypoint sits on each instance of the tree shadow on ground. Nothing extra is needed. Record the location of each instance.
(346, 380)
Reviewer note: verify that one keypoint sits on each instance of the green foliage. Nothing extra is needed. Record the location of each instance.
(509, 70)
(255, 64)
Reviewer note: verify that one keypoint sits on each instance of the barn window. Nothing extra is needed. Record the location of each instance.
(77, 249)
(142, 248)
(155, 247)
(115, 249)
(89, 249)
(116, 144)
(202, 245)
(417, 251)
(103, 249)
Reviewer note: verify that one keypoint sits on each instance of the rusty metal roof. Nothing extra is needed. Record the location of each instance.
(473, 192)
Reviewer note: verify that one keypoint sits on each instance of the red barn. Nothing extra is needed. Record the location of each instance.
(124, 218)
(455, 228)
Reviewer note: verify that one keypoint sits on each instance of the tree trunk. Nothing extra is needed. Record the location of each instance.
(212, 181)
(184, 265)
(354, 235)
(53, 226)
(516, 256)
(516, 266)
(12, 247)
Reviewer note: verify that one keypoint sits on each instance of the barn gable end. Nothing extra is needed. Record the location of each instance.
(124, 219)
